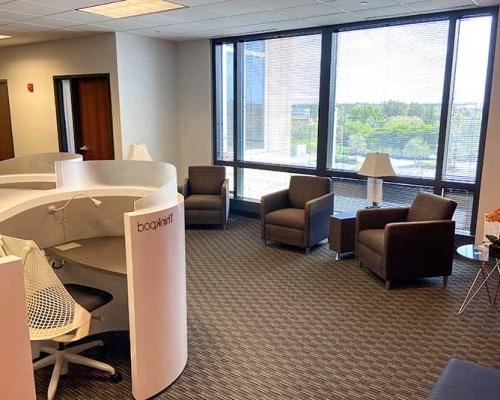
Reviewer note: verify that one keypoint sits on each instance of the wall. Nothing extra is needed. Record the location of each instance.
(490, 182)
(147, 82)
(33, 115)
(194, 104)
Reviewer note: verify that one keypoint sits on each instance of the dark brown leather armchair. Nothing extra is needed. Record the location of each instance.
(408, 242)
(206, 196)
(298, 216)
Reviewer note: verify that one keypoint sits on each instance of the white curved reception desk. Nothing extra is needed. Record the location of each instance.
(132, 244)
(34, 171)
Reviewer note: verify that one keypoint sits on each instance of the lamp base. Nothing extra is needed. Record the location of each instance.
(374, 191)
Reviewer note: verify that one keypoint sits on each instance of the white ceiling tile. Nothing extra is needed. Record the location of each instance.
(155, 19)
(120, 25)
(80, 17)
(257, 18)
(332, 19)
(488, 2)
(234, 7)
(194, 3)
(22, 27)
(311, 10)
(355, 5)
(384, 12)
(432, 5)
(191, 14)
(51, 22)
(71, 4)
(277, 4)
(88, 28)
(31, 8)
(14, 16)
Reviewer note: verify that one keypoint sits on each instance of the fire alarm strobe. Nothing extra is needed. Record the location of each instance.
(30, 87)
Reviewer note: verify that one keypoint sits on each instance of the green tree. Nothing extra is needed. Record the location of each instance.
(392, 107)
(357, 144)
(371, 114)
(417, 150)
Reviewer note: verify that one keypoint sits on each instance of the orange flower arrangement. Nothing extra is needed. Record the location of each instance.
(493, 216)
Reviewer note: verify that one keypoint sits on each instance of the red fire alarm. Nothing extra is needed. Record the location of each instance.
(30, 87)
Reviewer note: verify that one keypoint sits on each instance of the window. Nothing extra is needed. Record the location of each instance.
(388, 91)
(225, 101)
(466, 110)
(280, 100)
(414, 88)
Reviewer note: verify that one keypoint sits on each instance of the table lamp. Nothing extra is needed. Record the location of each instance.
(376, 166)
(139, 152)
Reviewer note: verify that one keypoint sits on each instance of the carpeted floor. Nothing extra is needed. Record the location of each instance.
(275, 323)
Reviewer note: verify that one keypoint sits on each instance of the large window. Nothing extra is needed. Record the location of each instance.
(280, 100)
(316, 102)
(388, 92)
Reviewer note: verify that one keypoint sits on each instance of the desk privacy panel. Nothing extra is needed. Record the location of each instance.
(156, 281)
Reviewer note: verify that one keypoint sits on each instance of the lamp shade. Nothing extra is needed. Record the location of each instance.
(139, 152)
(377, 165)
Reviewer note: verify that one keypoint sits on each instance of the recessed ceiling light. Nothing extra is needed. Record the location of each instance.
(131, 8)
(363, 3)
(5, 37)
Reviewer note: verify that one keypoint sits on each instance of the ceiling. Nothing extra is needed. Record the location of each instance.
(31, 21)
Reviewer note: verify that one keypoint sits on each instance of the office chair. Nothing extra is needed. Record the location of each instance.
(57, 312)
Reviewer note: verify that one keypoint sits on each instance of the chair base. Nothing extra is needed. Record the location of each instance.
(61, 358)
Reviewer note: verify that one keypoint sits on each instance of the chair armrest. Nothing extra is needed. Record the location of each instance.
(224, 193)
(378, 218)
(274, 201)
(320, 204)
(424, 247)
(271, 202)
(184, 188)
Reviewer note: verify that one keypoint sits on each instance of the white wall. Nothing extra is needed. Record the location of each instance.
(490, 182)
(194, 104)
(147, 86)
(33, 115)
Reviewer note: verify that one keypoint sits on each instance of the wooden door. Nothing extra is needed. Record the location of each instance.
(6, 142)
(93, 118)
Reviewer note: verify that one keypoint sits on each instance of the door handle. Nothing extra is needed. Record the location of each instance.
(84, 148)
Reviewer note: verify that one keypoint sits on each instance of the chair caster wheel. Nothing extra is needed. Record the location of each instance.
(116, 377)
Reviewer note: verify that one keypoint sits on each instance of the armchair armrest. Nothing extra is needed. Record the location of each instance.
(378, 218)
(419, 248)
(317, 218)
(271, 202)
(224, 193)
(183, 188)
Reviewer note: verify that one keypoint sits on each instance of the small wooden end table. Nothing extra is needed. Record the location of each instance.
(343, 234)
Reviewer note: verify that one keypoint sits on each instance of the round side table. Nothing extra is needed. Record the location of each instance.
(487, 266)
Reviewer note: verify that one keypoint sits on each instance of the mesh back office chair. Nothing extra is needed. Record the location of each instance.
(55, 313)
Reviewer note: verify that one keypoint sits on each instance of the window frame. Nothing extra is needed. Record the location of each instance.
(327, 100)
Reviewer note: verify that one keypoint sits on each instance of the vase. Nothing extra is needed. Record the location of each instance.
(494, 251)
(490, 228)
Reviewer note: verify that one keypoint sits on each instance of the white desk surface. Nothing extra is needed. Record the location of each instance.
(106, 253)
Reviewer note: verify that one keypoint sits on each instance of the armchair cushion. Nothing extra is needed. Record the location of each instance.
(287, 217)
(431, 207)
(374, 239)
(305, 188)
(203, 202)
(206, 180)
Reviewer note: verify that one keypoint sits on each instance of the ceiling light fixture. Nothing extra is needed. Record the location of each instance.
(363, 3)
(131, 8)
(5, 37)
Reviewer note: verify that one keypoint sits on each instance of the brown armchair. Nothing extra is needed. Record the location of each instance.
(206, 196)
(408, 242)
(298, 216)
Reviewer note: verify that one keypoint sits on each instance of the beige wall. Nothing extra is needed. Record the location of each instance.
(34, 122)
(147, 83)
(490, 182)
(194, 104)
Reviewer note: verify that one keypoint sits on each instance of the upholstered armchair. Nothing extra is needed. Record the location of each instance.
(206, 196)
(408, 242)
(298, 216)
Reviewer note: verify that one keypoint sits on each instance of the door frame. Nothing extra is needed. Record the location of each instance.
(60, 115)
(6, 81)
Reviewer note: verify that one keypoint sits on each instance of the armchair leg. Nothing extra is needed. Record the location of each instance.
(388, 285)
(308, 250)
(445, 281)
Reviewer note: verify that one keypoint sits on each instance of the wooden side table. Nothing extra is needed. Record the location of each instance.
(342, 234)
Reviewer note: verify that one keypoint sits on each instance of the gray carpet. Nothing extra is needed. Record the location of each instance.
(275, 323)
